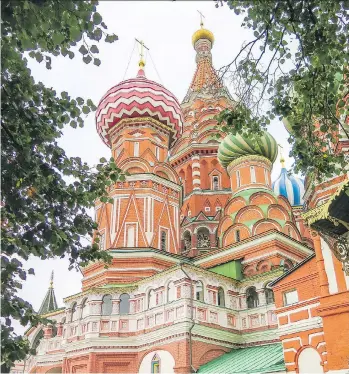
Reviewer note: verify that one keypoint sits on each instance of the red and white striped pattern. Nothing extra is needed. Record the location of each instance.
(135, 98)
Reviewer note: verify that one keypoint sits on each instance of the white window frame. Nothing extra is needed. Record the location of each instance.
(157, 152)
(253, 174)
(291, 297)
(212, 182)
(126, 234)
(266, 177)
(161, 229)
(207, 209)
(136, 149)
(238, 179)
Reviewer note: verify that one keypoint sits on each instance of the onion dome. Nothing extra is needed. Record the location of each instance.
(138, 98)
(235, 146)
(289, 186)
(202, 34)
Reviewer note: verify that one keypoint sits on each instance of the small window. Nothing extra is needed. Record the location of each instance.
(74, 314)
(151, 299)
(157, 152)
(269, 295)
(238, 179)
(155, 364)
(291, 297)
(253, 174)
(163, 244)
(171, 292)
(106, 305)
(252, 298)
(130, 236)
(124, 303)
(84, 309)
(237, 235)
(207, 208)
(221, 299)
(266, 177)
(199, 291)
(136, 149)
(215, 183)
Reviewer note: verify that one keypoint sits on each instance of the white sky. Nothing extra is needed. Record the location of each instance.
(166, 28)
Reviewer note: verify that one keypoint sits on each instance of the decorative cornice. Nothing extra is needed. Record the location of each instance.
(248, 159)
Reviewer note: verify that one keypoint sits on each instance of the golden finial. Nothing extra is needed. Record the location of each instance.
(202, 33)
(141, 63)
(51, 280)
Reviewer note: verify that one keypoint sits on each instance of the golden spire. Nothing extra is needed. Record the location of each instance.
(51, 280)
(141, 63)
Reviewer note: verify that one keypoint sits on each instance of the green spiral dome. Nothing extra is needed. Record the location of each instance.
(235, 146)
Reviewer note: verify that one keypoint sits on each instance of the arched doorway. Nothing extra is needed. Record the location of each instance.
(309, 361)
(154, 362)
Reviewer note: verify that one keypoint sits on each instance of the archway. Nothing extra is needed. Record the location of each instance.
(203, 238)
(309, 361)
(157, 362)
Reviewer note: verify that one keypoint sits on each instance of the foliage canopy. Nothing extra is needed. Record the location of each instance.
(45, 194)
(297, 62)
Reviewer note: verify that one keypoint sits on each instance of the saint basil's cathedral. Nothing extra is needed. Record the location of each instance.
(215, 269)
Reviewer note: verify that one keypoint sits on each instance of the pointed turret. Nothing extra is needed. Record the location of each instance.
(49, 303)
(205, 80)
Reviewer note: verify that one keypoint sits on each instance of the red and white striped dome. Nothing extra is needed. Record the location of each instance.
(136, 98)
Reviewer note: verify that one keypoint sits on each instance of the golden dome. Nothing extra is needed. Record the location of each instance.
(202, 34)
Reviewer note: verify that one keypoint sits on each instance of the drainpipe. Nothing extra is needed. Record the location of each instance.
(192, 320)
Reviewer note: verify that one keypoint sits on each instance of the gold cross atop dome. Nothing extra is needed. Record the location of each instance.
(141, 63)
(282, 159)
(201, 17)
(202, 33)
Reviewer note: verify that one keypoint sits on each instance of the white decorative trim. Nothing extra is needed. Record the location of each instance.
(196, 165)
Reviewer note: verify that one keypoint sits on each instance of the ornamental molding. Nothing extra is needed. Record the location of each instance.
(248, 159)
(138, 122)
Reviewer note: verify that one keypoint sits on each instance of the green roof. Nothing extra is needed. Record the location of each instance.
(262, 359)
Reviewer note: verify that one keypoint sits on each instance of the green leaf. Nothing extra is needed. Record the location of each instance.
(97, 18)
(94, 49)
(86, 109)
(83, 50)
(87, 59)
(96, 61)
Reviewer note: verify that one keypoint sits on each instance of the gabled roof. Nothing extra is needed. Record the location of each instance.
(49, 303)
(262, 359)
(273, 283)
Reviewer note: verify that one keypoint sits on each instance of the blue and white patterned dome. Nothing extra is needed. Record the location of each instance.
(289, 186)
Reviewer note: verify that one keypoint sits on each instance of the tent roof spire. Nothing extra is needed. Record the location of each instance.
(49, 303)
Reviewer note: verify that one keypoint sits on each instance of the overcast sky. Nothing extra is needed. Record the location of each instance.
(166, 28)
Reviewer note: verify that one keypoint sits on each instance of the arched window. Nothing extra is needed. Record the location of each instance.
(84, 309)
(155, 364)
(151, 299)
(124, 303)
(252, 297)
(37, 339)
(215, 183)
(171, 292)
(237, 236)
(106, 305)
(203, 238)
(238, 179)
(269, 295)
(253, 174)
(199, 291)
(187, 241)
(54, 331)
(74, 315)
(163, 244)
(221, 299)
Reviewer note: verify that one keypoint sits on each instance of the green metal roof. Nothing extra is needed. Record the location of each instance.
(262, 359)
